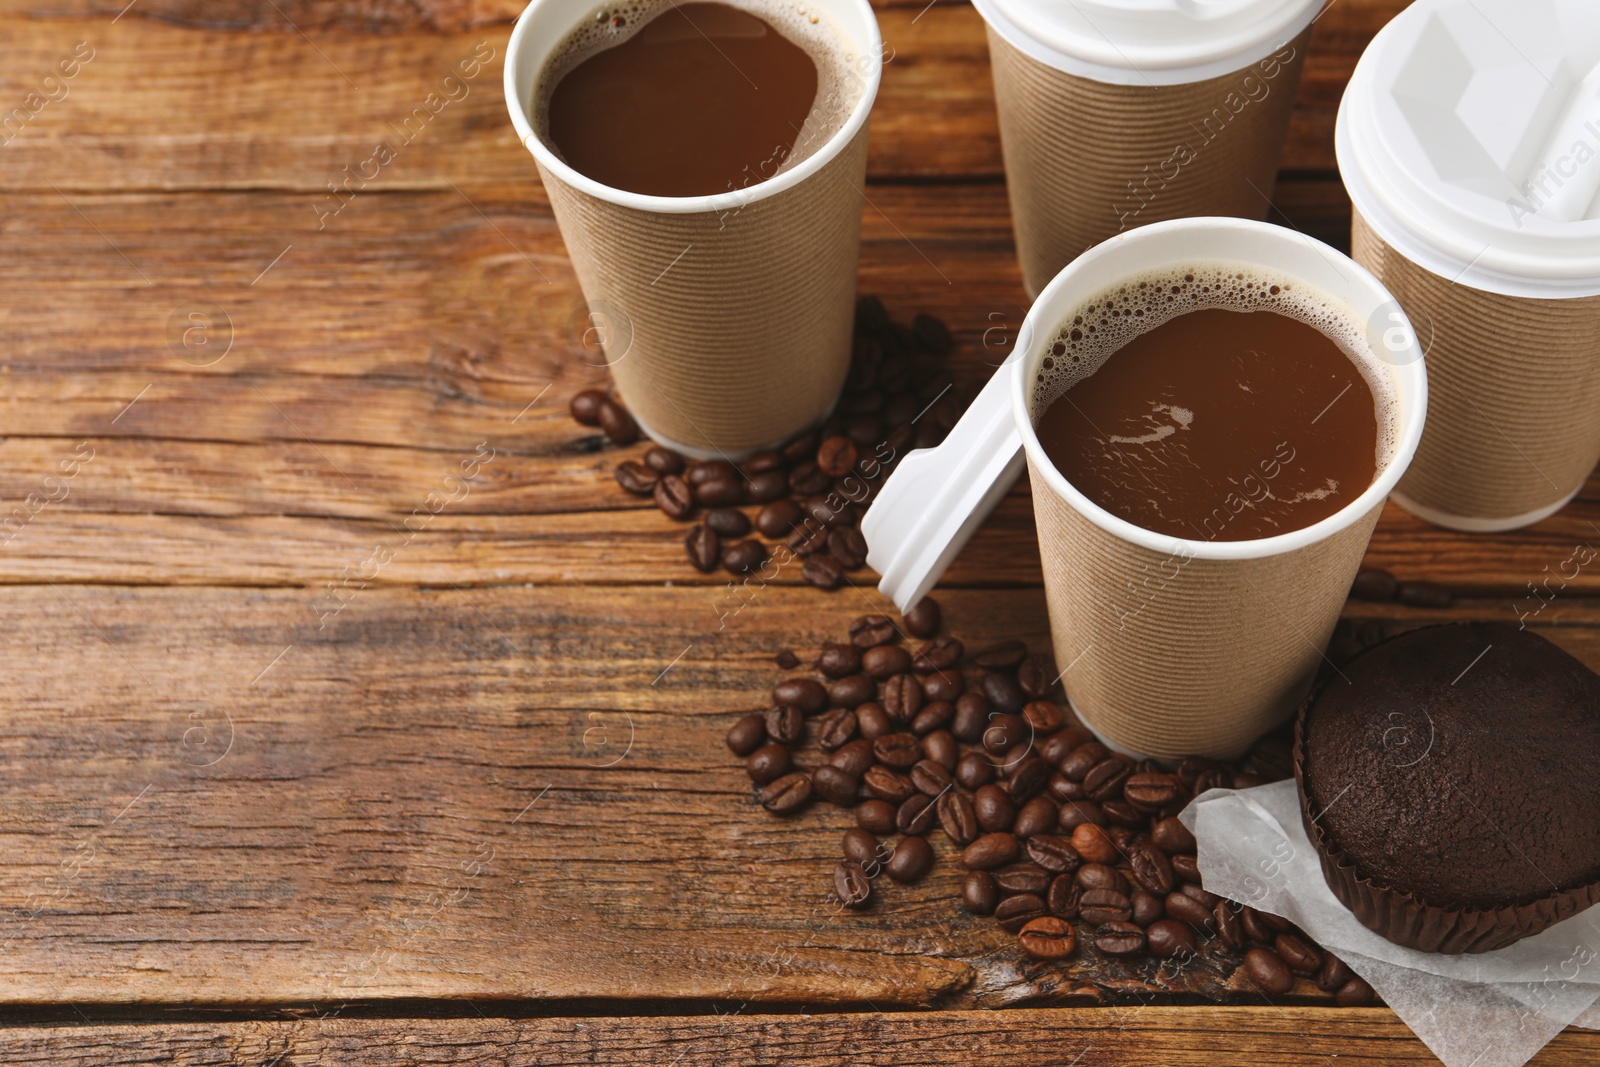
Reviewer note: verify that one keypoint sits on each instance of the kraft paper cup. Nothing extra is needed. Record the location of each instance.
(1174, 646)
(729, 316)
(1092, 151)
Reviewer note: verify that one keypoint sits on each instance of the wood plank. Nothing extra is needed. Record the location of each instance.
(244, 797)
(1102, 1037)
(269, 109)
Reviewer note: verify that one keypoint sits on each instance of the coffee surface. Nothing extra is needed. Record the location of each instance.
(1219, 425)
(705, 98)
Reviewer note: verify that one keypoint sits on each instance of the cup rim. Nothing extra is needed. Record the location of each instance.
(1409, 368)
(521, 43)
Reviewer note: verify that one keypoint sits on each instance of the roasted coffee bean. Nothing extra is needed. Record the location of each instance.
(911, 860)
(994, 809)
(1037, 677)
(931, 335)
(1075, 813)
(940, 746)
(1169, 939)
(875, 816)
(747, 734)
(900, 751)
(636, 478)
(1146, 907)
(945, 686)
(1064, 897)
(807, 479)
(836, 456)
(1083, 759)
(1301, 957)
(1149, 793)
(616, 423)
(787, 794)
(974, 770)
(1105, 779)
(704, 470)
(1423, 595)
(823, 572)
(1094, 844)
(902, 697)
(801, 448)
(743, 557)
(1171, 836)
(915, 815)
(1373, 584)
(770, 487)
(1101, 876)
(786, 724)
(847, 545)
(854, 757)
(1043, 717)
(870, 316)
(940, 654)
(861, 847)
(1243, 780)
(1104, 906)
(870, 631)
(1122, 815)
(873, 721)
(1018, 911)
(837, 661)
(888, 785)
(728, 522)
(704, 548)
(1267, 972)
(767, 763)
(719, 491)
(663, 460)
(972, 717)
(1254, 928)
(957, 818)
(1023, 879)
(1121, 837)
(1054, 854)
(1064, 790)
(1058, 745)
(778, 518)
(807, 694)
(1003, 692)
(1229, 926)
(933, 716)
(1212, 779)
(1185, 908)
(673, 497)
(1006, 656)
(1027, 778)
(991, 850)
(1151, 868)
(1196, 893)
(585, 407)
(1355, 993)
(852, 690)
(1117, 938)
(835, 729)
(835, 785)
(1186, 867)
(1004, 732)
(851, 885)
(923, 618)
(1037, 816)
(1332, 974)
(885, 661)
(930, 778)
(979, 892)
(1047, 938)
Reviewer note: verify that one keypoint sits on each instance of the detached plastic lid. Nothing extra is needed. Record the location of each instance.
(1155, 42)
(1469, 138)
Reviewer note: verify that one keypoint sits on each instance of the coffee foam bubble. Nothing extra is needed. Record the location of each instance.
(839, 66)
(1105, 322)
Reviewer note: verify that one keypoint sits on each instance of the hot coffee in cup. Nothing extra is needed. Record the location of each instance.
(705, 163)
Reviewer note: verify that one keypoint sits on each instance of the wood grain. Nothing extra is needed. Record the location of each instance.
(1105, 1037)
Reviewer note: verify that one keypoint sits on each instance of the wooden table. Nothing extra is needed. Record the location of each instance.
(267, 800)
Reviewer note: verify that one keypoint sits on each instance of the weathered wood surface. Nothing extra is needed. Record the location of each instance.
(1106, 1037)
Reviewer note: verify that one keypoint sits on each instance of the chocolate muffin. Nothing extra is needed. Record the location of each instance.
(1449, 783)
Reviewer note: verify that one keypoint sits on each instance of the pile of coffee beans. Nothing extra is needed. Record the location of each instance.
(1070, 846)
(809, 495)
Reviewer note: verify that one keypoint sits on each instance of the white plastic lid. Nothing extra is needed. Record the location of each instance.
(1148, 42)
(1469, 138)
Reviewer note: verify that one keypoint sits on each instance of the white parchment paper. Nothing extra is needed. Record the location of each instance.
(1493, 1009)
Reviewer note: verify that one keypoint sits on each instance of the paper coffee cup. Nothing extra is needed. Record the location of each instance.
(1469, 141)
(1174, 646)
(1115, 115)
(727, 318)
